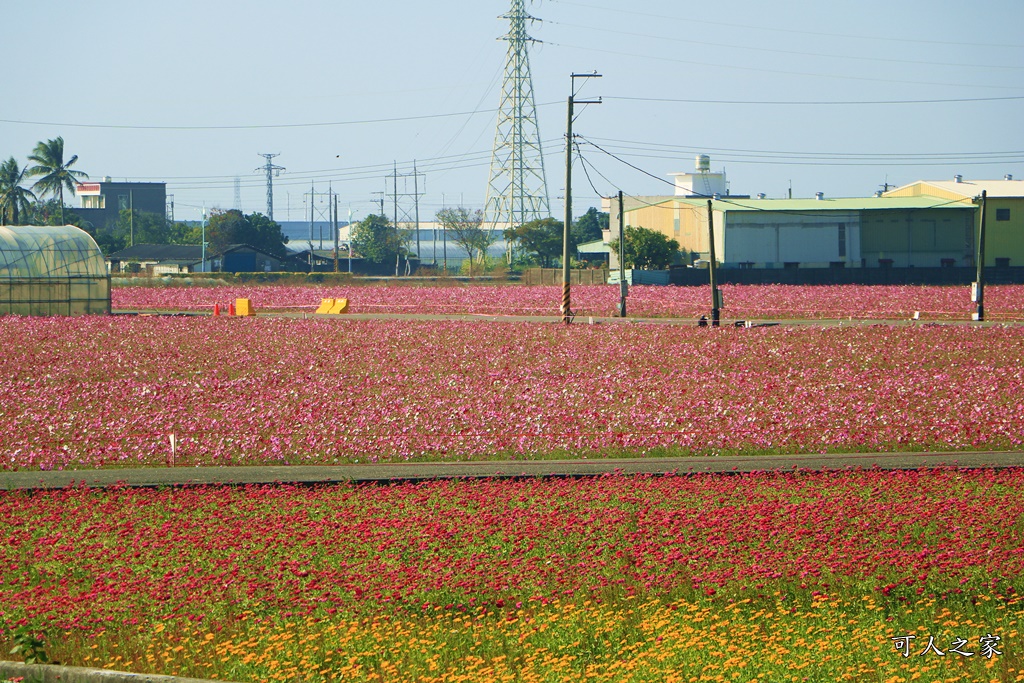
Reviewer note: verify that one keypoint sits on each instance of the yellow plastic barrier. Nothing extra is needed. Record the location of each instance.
(325, 306)
(244, 307)
(340, 306)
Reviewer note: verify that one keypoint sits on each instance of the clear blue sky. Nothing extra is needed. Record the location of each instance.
(158, 91)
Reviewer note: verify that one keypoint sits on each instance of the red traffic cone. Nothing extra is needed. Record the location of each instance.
(216, 309)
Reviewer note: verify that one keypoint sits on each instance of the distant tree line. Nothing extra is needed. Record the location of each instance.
(43, 204)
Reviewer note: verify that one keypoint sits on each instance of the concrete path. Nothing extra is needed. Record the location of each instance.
(303, 474)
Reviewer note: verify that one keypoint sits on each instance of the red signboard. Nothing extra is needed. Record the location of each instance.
(88, 188)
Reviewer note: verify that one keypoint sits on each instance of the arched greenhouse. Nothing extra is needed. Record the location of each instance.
(51, 270)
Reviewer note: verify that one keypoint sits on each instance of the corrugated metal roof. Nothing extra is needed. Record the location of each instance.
(825, 204)
(160, 252)
(972, 188)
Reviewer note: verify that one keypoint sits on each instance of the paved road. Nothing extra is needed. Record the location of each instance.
(587, 319)
(300, 474)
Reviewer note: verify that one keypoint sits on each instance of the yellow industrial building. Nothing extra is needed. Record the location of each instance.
(1004, 211)
(922, 225)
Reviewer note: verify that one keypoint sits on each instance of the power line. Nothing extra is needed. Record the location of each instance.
(659, 150)
(260, 126)
(783, 71)
(802, 103)
(900, 40)
(690, 41)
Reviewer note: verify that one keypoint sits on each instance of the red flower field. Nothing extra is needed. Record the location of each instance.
(741, 301)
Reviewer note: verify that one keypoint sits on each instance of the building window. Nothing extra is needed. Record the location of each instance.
(122, 202)
(675, 226)
(842, 240)
(94, 202)
(1002, 214)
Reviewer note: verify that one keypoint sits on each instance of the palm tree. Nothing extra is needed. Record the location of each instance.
(13, 197)
(56, 175)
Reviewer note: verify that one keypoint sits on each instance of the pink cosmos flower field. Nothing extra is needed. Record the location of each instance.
(741, 301)
(109, 391)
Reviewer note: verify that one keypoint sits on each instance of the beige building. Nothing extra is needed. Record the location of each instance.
(869, 232)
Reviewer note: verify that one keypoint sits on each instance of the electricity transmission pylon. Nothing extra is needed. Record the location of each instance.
(517, 191)
(271, 170)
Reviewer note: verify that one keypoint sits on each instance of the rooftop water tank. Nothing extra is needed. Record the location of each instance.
(703, 163)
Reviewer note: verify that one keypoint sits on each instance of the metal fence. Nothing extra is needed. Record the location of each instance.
(553, 276)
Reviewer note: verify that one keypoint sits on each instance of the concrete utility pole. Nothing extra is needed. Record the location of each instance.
(716, 296)
(312, 202)
(566, 310)
(623, 287)
(131, 217)
(271, 170)
(404, 195)
(416, 193)
(335, 227)
(979, 279)
(203, 264)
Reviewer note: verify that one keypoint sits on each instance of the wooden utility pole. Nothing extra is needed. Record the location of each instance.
(566, 311)
(979, 280)
(716, 297)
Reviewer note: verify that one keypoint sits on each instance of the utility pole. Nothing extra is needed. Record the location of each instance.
(131, 217)
(271, 170)
(416, 200)
(395, 197)
(203, 264)
(566, 310)
(978, 295)
(623, 286)
(335, 226)
(716, 296)
(312, 203)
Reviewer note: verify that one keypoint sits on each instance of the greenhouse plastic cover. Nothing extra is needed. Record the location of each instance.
(51, 270)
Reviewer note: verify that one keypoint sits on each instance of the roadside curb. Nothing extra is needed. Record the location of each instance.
(57, 673)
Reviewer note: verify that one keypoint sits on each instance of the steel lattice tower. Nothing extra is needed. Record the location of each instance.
(270, 170)
(517, 191)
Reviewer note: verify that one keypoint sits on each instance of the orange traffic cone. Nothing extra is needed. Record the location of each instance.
(216, 309)
(231, 309)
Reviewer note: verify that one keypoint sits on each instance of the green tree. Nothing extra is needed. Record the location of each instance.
(51, 212)
(256, 230)
(376, 239)
(588, 227)
(14, 199)
(183, 233)
(542, 238)
(142, 227)
(647, 249)
(55, 175)
(464, 228)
